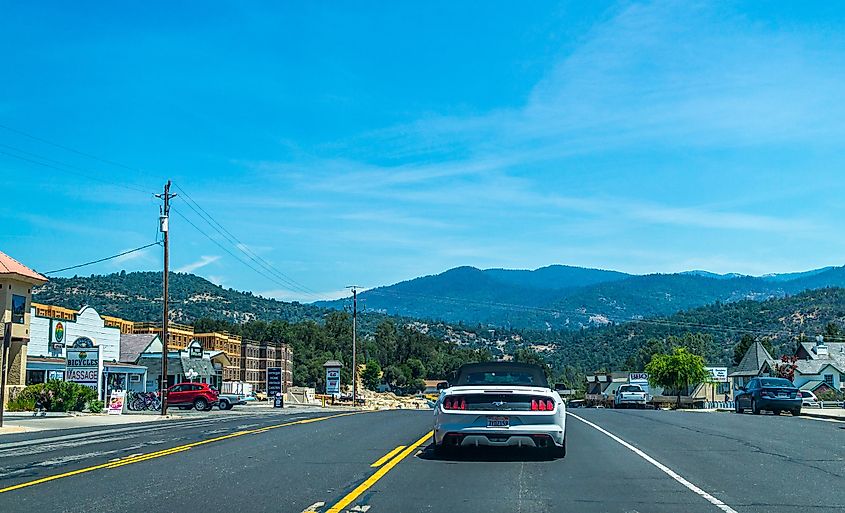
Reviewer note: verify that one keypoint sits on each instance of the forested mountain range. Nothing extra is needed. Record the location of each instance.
(571, 297)
(137, 296)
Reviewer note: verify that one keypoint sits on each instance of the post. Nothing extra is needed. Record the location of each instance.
(354, 350)
(165, 229)
(4, 354)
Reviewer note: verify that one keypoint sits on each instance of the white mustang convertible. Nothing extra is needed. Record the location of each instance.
(500, 404)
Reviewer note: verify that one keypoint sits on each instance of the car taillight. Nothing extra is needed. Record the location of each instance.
(542, 404)
(454, 403)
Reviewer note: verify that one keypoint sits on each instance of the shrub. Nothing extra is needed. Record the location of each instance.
(96, 406)
(53, 396)
(830, 395)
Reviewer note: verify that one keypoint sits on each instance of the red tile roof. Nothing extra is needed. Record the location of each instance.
(9, 265)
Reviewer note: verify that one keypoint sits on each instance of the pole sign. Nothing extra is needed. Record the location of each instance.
(719, 374)
(83, 363)
(274, 381)
(332, 380)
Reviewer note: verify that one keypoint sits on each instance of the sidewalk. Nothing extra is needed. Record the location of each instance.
(25, 422)
(824, 413)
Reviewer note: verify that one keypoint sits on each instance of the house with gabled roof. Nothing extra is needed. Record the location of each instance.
(820, 366)
(757, 361)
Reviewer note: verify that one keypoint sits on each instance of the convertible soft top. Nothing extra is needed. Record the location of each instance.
(501, 373)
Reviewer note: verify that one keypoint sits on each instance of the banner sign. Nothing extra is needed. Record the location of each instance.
(274, 381)
(116, 401)
(719, 374)
(83, 363)
(332, 380)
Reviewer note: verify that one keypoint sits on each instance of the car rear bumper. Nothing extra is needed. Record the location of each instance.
(778, 404)
(521, 435)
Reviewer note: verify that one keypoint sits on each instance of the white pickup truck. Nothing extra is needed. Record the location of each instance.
(630, 395)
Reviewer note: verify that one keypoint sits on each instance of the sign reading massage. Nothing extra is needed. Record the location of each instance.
(83, 363)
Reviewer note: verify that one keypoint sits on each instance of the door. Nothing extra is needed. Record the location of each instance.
(176, 395)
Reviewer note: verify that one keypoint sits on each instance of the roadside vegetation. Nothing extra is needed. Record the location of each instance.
(61, 396)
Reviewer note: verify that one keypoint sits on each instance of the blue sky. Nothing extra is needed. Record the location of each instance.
(367, 143)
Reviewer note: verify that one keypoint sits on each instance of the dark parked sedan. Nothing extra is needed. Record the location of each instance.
(771, 394)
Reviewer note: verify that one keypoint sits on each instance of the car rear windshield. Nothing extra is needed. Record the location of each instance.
(776, 382)
(502, 375)
(630, 388)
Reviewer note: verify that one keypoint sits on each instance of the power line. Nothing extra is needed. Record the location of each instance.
(243, 248)
(224, 248)
(103, 259)
(68, 148)
(66, 167)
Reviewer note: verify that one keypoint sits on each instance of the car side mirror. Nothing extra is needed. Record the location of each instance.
(443, 385)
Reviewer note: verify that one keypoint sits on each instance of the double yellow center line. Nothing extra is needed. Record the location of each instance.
(173, 450)
(385, 468)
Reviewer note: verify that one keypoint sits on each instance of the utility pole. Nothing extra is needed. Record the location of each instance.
(164, 227)
(354, 350)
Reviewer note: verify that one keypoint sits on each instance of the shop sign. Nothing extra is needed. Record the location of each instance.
(719, 374)
(83, 363)
(58, 333)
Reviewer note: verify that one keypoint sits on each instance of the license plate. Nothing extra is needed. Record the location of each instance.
(783, 394)
(498, 422)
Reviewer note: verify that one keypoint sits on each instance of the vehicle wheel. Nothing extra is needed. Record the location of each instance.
(754, 409)
(796, 412)
(440, 450)
(738, 408)
(224, 405)
(201, 404)
(230, 406)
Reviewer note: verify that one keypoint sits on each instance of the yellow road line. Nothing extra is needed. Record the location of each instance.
(379, 462)
(363, 487)
(165, 452)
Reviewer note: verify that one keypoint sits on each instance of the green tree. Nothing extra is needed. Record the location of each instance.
(416, 367)
(677, 371)
(371, 376)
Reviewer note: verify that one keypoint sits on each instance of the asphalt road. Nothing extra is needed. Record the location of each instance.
(618, 461)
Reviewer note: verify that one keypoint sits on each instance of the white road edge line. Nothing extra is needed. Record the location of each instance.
(666, 470)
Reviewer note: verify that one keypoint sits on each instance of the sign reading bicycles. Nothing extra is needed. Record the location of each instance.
(84, 365)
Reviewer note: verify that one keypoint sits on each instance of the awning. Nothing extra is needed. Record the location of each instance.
(115, 368)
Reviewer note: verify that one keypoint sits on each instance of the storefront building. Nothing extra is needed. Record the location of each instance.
(16, 283)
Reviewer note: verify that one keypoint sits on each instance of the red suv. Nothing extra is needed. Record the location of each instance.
(197, 395)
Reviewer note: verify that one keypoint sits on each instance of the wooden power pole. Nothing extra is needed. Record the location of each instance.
(164, 219)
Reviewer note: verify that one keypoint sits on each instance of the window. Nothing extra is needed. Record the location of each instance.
(828, 379)
(18, 309)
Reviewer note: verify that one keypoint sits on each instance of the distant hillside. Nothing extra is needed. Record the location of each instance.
(783, 320)
(493, 296)
(570, 297)
(137, 296)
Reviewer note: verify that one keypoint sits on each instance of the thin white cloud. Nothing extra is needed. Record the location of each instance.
(202, 262)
